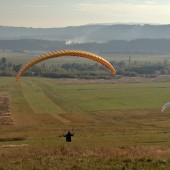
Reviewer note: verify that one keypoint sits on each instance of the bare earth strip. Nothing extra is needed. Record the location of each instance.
(5, 113)
(159, 78)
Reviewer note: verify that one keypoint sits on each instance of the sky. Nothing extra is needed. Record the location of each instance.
(62, 13)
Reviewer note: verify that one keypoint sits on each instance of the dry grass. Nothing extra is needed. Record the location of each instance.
(104, 138)
(76, 157)
(118, 153)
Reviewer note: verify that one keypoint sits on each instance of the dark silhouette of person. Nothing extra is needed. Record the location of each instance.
(68, 136)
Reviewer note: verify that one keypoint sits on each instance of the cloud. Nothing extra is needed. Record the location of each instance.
(149, 2)
(36, 6)
(122, 8)
(146, 11)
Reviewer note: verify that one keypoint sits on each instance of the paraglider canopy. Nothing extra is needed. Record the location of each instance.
(60, 53)
(165, 106)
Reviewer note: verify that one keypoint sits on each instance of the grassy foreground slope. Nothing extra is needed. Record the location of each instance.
(116, 125)
(39, 101)
(93, 101)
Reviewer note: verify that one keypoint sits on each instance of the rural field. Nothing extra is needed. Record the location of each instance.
(25, 56)
(117, 124)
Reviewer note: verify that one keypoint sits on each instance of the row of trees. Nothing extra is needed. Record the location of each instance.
(84, 70)
(8, 68)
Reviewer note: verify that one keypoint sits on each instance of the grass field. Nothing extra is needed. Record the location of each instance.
(23, 57)
(116, 125)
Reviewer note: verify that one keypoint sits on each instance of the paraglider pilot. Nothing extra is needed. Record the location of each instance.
(68, 136)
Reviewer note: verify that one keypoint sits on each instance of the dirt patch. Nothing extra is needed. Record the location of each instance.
(5, 113)
(116, 79)
(77, 117)
(14, 146)
(47, 119)
(11, 139)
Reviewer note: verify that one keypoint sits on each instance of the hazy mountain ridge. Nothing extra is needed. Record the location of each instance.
(88, 33)
(140, 46)
(118, 38)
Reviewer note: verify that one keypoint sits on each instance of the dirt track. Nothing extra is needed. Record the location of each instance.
(5, 114)
(117, 79)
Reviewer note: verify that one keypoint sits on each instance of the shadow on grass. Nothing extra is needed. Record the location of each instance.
(162, 141)
(12, 139)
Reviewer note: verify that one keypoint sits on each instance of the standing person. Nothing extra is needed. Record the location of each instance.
(68, 136)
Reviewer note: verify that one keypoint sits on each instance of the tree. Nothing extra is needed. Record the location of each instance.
(16, 68)
(3, 60)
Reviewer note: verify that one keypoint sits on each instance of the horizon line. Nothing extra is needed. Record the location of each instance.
(117, 23)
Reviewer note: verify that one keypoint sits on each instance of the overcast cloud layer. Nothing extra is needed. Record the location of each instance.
(57, 13)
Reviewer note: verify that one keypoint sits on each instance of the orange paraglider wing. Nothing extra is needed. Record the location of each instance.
(61, 53)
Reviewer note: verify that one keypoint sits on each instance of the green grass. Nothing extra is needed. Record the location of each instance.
(116, 125)
(97, 97)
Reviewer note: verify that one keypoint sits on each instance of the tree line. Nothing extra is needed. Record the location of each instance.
(85, 70)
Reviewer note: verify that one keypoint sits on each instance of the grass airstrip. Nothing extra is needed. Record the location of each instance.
(116, 125)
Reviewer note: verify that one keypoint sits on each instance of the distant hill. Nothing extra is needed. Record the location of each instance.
(88, 33)
(139, 46)
(120, 38)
